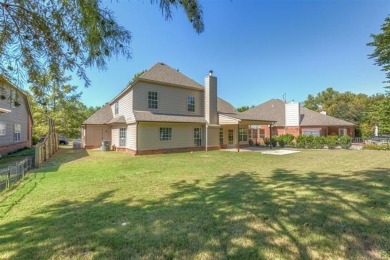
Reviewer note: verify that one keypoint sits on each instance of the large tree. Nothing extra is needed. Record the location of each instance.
(39, 37)
(381, 55)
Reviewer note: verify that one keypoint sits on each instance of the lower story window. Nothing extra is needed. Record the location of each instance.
(165, 134)
(261, 133)
(221, 136)
(243, 135)
(122, 136)
(197, 136)
(312, 132)
(342, 131)
(17, 132)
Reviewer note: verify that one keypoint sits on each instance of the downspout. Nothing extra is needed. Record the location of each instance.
(270, 136)
(238, 137)
(136, 139)
(207, 130)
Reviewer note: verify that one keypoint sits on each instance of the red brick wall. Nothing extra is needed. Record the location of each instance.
(14, 147)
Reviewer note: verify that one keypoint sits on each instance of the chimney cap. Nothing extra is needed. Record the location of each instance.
(211, 72)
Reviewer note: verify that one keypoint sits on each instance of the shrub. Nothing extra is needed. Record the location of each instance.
(345, 142)
(267, 141)
(318, 142)
(35, 139)
(301, 141)
(331, 141)
(274, 141)
(285, 139)
(250, 142)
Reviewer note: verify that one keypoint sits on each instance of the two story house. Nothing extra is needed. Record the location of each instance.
(165, 111)
(15, 118)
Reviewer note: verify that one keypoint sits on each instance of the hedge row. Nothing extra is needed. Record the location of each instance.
(309, 141)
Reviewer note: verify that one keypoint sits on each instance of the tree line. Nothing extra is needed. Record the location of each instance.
(363, 110)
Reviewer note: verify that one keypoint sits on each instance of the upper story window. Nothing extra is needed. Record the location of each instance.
(17, 132)
(3, 129)
(191, 104)
(152, 100)
(116, 108)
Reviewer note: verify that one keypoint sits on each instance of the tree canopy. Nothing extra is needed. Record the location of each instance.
(381, 55)
(47, 37)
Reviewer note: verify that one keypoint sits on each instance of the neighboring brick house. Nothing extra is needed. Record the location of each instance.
(15, 118)
(292, 118)
(165, 111)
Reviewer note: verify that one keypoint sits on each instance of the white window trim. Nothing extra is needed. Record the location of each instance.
(3, 129)
(122, 138)
(188, 104)
(159, 133)
(19, 132)
(157, 95)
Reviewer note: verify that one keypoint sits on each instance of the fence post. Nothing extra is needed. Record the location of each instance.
(9, 177)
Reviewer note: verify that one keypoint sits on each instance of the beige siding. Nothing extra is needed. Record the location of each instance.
(182, 136)
(115, 136)
(211, 100)
(125, 106)
(171, 100)
(226, 120)
(131, 137)
(95, 134)
(18, 115)
(213, 136)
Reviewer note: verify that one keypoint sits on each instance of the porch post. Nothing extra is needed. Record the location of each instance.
(270, 136)
(238, 137)
(207, 130)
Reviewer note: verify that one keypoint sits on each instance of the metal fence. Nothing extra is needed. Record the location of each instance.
(15, 172)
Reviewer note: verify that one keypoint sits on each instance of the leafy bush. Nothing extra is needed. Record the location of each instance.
(250, 142)
(35, 139)
(274, 141)
(267, 141)
(318, 142)
(345, 142)
(331, 141)
(285, 140)
(301, 141)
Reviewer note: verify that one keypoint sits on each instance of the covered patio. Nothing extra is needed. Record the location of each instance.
(233, 132)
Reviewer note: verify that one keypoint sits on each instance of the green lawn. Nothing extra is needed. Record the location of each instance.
(312, 204)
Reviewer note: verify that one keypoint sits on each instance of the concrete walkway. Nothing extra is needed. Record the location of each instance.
(263, 150)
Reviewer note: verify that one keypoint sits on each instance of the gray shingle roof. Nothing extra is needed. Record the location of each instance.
(147, 116)
(101, 117)
(227, 109)
(118, 120)
(161, 72)
(275, 109)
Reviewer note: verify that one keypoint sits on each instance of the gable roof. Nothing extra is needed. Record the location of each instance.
(275, 109)
(225, 108)
(4, 79)
(162, 73)
(101, 117)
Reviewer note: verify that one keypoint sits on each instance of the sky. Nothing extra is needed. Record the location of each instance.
(258, 50)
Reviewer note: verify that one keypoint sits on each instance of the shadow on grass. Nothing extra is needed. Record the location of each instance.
(242, 215)
(65, 154)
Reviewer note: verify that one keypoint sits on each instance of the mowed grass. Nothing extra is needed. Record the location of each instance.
(312, 204)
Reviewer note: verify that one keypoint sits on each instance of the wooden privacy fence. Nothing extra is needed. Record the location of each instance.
(15, 172)
(47, 147)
